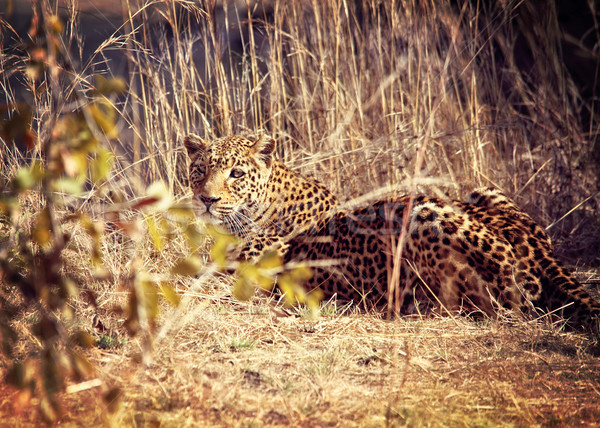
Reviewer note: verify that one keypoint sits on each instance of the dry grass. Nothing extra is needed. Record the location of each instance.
(245, 365)
(356, 88)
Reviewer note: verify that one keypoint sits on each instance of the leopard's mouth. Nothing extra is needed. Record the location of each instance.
(235, 218)
(209, 217)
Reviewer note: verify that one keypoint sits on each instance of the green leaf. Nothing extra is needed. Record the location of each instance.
(149, 297)
(189, 266)
(55, 24)
(101, 165)
(270, 260)
(170, 295)
(71, 186)
(182, 212)
(194, 238)
(291, 284)
(84, 339)
(289, 287)
(243, 290)
(155, 232)
(28, 177)
(301, 273)
(69, 288)
(224, 243)
(106, 86)
(83, 367)
(105, 117)
(8, 205)
(256, 275)
(94, 229)
(42, 228)
(73, 162)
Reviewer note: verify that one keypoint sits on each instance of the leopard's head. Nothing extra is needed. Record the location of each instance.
(229, 176)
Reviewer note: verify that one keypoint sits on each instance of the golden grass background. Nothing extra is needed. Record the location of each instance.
(353, 91)
(357, 87)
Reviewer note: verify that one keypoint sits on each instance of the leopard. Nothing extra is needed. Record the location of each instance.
(414, 253)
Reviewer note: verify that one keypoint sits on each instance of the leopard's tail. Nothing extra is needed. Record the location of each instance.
(564, 295)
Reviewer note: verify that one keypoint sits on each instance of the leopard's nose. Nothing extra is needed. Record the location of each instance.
(208, 201)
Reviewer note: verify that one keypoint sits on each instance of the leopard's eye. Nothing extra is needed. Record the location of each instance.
(237, 173)
(202, 169)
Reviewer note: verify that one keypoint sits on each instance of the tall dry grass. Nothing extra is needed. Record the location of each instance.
(357, 87)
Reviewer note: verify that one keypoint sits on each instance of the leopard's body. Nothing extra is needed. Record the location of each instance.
(475, 256)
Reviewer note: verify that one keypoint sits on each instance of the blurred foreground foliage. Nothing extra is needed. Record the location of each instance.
(69, 162)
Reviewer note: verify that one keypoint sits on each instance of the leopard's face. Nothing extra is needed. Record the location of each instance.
(229, 176)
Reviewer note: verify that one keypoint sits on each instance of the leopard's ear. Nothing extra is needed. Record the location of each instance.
(194, 145)
(264, 147)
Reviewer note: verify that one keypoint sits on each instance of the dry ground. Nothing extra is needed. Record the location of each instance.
(221, 363)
